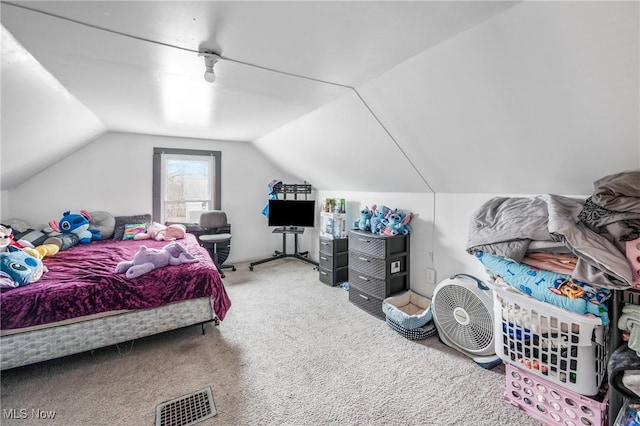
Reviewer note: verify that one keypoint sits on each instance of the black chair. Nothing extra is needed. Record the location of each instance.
(216, 232)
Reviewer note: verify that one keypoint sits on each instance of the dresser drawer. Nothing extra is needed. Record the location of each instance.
(379, 287)
(374, 286)
(329, 246)
(377, 245)
(368, 244)
(329, 262)
(367, 264)
(333, 277)
(366, 302)
(377, 268)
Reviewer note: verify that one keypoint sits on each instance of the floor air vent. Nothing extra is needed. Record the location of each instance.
(186, 410)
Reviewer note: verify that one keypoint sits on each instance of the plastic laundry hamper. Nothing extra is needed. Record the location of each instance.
(568, 349)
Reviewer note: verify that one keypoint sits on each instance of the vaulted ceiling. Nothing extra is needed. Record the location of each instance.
(73, 70)
(133, 66)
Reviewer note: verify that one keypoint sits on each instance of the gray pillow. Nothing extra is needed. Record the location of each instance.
(121, 221)
(103, 222)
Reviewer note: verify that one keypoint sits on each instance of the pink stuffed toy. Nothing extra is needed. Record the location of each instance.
(159, 232)
(172, 232)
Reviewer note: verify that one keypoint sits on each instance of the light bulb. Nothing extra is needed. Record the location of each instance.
(209, 75)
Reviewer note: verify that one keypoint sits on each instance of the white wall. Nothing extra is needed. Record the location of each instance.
(114, 173)
(4, 204)
(540, 88)
(544, 97)
(341, 145)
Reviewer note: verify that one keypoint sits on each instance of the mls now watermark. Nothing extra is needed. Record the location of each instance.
(23, 413)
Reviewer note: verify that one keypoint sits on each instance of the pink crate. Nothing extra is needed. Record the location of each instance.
(552, 404)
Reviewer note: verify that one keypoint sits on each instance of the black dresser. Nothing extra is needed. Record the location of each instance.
(333, 264)
(378, 268)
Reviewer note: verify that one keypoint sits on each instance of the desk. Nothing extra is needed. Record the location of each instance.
(282, 254)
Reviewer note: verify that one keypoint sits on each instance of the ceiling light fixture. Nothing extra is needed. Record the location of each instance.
(210, 60)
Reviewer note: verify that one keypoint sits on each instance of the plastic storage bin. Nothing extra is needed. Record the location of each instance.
(550, 403)
(564, 348)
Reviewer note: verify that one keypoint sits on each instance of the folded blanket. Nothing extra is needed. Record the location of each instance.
(562, 264)
(551, 287)
(622, 361)
(620, 191)
(630, 320)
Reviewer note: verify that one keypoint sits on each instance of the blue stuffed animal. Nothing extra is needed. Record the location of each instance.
(364, 223)
(397, 224)
(78, 224)
(379, 218)
(20, 267)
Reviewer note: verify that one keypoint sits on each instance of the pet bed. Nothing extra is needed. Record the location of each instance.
(419, 333)
(408, 309)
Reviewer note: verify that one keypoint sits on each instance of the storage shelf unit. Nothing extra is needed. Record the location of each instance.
(333, 265)
(378, 268)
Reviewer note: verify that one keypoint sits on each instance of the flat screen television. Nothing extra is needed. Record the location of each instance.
(292, 213)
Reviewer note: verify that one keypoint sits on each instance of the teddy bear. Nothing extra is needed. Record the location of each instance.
(148, 259)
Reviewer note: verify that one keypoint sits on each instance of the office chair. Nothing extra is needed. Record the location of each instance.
(217, 232)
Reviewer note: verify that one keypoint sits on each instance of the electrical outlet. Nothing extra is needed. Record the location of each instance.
(431, 276)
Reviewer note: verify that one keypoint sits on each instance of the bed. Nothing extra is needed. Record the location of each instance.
(82, 304)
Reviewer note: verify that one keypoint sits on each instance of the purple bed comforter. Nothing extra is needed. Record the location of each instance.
(82, 281)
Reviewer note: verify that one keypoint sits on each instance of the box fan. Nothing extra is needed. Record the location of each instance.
(462, 308)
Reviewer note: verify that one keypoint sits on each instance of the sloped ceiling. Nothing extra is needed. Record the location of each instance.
(132, 66)
(419, 96)
(543, 98)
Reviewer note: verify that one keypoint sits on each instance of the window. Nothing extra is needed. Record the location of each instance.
(185, 183)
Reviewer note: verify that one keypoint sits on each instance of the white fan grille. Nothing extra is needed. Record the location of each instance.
(474, 335)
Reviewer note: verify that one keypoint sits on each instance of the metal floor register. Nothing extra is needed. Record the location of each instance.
(186, 410)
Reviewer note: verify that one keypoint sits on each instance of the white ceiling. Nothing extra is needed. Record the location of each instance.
(132, 66)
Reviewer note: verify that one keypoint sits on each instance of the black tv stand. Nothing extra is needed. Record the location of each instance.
(282, 254)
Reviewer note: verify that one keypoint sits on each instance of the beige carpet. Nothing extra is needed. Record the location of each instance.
(291, 351)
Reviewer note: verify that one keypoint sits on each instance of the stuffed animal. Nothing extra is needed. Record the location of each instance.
(42, 251)
(62, 241)
(273, 186)
(397, 224)
(148, 259)
(160, 232)
(78, 224)
(364, 223)
(379, 218)
(172, 232)
(7, 239)
(20, 267)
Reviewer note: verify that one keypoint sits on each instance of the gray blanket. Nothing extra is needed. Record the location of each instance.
(506, 227)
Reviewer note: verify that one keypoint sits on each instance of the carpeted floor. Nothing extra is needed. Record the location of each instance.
(291, 351)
